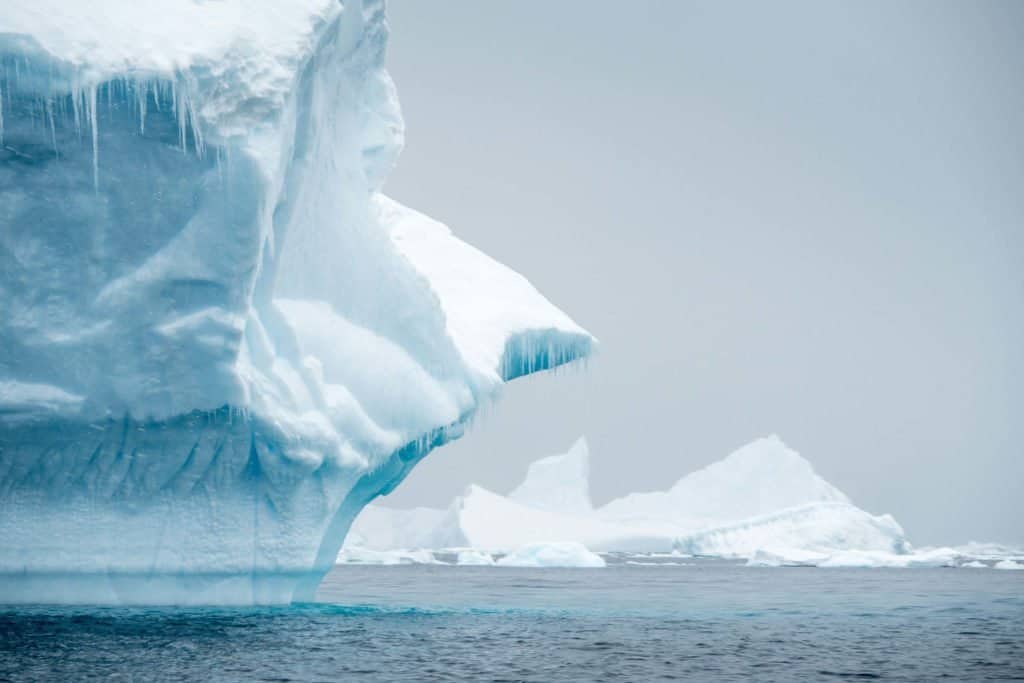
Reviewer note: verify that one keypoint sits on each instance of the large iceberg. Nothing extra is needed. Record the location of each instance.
(218, 340)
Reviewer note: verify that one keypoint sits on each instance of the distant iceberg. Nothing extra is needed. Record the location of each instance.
(552, 554)
(218, 339)
(764, 503)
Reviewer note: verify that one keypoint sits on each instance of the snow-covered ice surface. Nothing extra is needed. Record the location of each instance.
(218, 340)
(764, 504)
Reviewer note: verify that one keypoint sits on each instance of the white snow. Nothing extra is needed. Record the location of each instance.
(552, 554)
(219, 340)
(486, 306)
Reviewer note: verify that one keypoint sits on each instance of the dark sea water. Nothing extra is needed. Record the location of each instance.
(709, 621)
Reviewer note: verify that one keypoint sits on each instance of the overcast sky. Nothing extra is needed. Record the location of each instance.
(803, 218)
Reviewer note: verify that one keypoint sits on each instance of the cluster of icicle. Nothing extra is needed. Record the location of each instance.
(79, 104)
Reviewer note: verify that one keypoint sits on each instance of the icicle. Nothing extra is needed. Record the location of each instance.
(74, 106)
(197, 136)
(142, 92)
(180, 114)
(1, 116)
(91, 109)
(53, 128)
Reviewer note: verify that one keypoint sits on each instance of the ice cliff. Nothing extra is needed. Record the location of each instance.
(218, 340)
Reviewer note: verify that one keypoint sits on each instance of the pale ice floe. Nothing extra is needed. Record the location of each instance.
(552, 554)
(472, 557)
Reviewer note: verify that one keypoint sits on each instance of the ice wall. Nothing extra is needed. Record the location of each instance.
(218, 340)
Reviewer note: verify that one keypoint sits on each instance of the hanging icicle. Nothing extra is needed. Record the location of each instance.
(91, 108)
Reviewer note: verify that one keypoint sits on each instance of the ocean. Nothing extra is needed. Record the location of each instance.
(701, 620)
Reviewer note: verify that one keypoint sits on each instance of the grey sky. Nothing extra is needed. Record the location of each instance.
(801, 218)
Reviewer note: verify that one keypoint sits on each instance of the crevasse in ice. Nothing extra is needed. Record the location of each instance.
(218, 340)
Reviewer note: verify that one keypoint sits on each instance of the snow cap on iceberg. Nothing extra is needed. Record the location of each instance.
(762, 477)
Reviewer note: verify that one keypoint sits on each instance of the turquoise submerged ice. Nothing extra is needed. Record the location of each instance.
(218, 341)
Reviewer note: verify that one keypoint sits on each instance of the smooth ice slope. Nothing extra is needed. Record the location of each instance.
(218, 340)
(763, 477)
(558, 483)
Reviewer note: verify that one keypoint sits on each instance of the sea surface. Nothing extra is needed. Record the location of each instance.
(701, 621)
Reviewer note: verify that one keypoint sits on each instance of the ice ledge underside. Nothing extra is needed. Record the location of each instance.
(202, 509)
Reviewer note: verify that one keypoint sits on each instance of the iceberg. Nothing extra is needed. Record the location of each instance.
(218, 340)
(474, 558)
(764, 502)
(1008, 564)
(552, 554)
